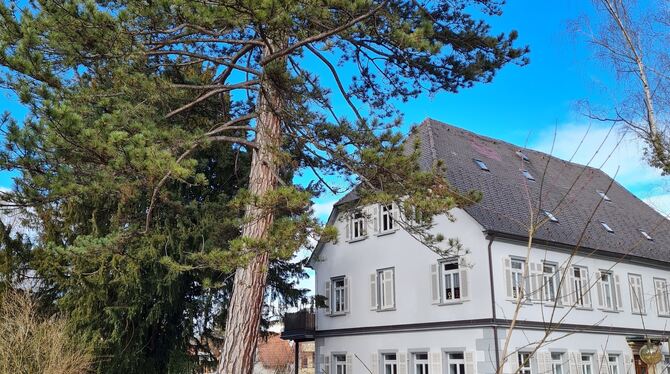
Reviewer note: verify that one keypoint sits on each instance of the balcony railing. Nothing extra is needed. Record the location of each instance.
(299, 326)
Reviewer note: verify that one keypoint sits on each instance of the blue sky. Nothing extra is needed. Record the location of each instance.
(526, 105)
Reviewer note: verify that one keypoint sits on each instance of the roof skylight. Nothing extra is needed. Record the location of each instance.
(646, 235)
(607, 227)
(481, 164)
(523, 156)
(550, 215)
(603, 195)
(528, 175)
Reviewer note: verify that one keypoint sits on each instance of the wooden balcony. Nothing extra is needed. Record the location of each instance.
(299, 326)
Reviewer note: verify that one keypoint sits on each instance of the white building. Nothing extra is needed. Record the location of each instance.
(397, 308)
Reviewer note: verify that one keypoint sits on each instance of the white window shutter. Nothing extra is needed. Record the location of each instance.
(396, 215)
(634, 297)
(329, 304)
(543, 361)
(599, 290)
(628, 364)
(373, 291)
(347, 228)
(586, 286)
(389, 289)
(617, 287)
(465, 285)
(374, 211)
(574, 362)
(435, 362)
(349, 363)
(513, 363)
(374, 364)
(326, 365)
(564, 279)
(601, 363)
(434, 284)
(402, 363)
(347, 297)
(659, 286)
(320, 363)
(507, 265)
(470, 364)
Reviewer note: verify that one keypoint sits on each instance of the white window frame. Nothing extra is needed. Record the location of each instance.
(613, 364)
(458, 363)
(636, 294)
(608, 290)
(452, 275)
(387, 222)
(389, 363)
(339, 296)
(549, 283)
(586, 366)
(420, 365)
(382, 297)
(358, 226)
(518, 282)
(581, 286)
(339, 363)
(524, 364)
(662, 294)
(557, 364)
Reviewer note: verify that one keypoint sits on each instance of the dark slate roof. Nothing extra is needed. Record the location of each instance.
(566, 189)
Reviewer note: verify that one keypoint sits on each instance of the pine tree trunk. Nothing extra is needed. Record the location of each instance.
(244, 312)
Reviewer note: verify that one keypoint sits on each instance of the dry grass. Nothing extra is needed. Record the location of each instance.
(30, 344)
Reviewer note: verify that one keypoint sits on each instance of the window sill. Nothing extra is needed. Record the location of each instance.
(552, 304)
(664, 315)
(609, 310)
(523, 302)
(338, 314)
(387, 232)
(639, 313)
(357, 239)
(587, 308)
(385, 310)
(451, 302)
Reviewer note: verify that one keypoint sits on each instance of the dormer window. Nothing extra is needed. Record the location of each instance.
(549, 215)
(357, 226)
(523, 156)
(646, 235)
(528, 175)
(387, 222)
(607, 227)
(603, 195)
(481, 164)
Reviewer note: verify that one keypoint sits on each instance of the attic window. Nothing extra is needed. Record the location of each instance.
(523, 156)
(603, 195)
(646, 235)
(607, 227)
(527, 175)
(549, 215)
(481, 164)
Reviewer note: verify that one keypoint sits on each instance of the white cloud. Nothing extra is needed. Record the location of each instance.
(322, 209)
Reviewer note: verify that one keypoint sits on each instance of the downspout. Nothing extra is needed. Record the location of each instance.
(493, 304)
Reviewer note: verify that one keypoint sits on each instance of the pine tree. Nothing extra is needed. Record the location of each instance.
(267, 57)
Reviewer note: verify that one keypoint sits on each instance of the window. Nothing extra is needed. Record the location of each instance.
(603, 195)
(420, 363)
(636, 293)
(556, 363)
(607, 287)
(451, 280)
(581, 286)
(517, 277)
(607, 227)
(357, 226)
(383, 289)
(646, 235)
(387, 218)
(524, 363)
(482, 165)
(523, 156)
(528, 175)
(340, 364)
(339, 296)
(456, 363)
(587, 363)
(613, 364)
(549, 282)
(549, 215)
(662, 297)
(390, 363)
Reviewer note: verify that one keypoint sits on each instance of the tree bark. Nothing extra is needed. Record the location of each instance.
(244, 312)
